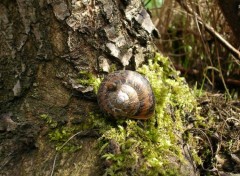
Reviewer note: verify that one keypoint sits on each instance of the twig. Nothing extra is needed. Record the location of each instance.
(225, 43)
(55, 158)
(204, 134)
(198, 130)
(210, 29)
(54, 164)
(80, 133)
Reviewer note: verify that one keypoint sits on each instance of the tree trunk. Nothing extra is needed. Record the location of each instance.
(231, 11)
(45, 46)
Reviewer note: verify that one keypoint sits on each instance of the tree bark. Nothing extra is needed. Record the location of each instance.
(44, 45)
(231, 11)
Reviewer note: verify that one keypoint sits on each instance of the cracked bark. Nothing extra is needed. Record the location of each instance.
(43, 47)
(231, 11)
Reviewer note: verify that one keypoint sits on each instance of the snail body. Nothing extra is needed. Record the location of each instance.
(126, 94)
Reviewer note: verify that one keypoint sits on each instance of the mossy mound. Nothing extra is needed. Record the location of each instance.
(135, 147)
(151, 147)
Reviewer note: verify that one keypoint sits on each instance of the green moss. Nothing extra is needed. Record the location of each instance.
(146, 148)
(113, 68)
(62, 135)
(49, 120)
(88, 79)
(140, 147)
(59, 134)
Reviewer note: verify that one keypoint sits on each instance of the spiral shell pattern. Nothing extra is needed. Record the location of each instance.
(126, 94)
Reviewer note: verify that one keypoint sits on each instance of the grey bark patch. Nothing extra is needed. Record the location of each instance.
(114, 50)
(17, 89)
(6, 122)
(126, 57)
(61, 10)
(103, 64)
(143, 18)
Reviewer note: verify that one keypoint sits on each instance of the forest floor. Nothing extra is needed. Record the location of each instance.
(217, 136)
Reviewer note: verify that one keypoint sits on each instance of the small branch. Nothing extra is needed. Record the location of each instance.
(233, 82)
(195, 72)
(226, 44)
(81, 133)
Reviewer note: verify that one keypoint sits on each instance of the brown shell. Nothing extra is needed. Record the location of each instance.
(126, 94)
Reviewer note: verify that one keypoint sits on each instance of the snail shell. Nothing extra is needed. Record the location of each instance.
(126, 94)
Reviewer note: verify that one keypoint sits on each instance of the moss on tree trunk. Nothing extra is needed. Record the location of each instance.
(45, 47)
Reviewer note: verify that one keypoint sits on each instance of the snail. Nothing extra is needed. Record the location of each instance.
(126, 94)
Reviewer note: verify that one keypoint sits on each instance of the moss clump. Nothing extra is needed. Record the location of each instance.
(59, 134)
(89, 79)
(49, 120)
(148, 148)
(62, 135)
(133, 147)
